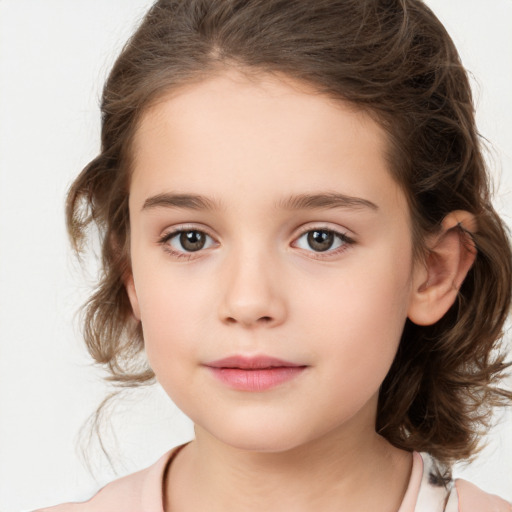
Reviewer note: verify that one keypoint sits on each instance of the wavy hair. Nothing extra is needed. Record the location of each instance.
(390, 58)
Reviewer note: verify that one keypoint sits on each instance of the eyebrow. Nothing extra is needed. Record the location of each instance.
(185, 201)
(295, 202)
(326, 201)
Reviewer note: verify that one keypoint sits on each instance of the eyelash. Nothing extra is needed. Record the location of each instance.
(167, 237)
(345, 240)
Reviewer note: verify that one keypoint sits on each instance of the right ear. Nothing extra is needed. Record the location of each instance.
(129, 285)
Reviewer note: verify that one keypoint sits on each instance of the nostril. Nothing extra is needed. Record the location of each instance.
(261, 320)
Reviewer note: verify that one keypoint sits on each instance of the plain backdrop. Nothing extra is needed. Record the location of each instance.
(54, 56)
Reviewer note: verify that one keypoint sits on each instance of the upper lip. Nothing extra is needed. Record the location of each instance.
(251, 362)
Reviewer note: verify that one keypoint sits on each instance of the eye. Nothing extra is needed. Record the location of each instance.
(187, 241)
(322, 240)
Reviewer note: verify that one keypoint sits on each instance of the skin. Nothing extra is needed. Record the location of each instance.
(257, 287)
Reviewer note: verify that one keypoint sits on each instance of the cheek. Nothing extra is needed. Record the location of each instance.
(168, 296)
(360, 314)
(169, 311)
(358, 332)
(359, 299)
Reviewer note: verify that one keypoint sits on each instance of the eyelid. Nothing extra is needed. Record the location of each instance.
(344, 234)
(325, 226)
(178, 228)
(172, 232)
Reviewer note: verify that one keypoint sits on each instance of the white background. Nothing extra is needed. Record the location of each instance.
(54, 56)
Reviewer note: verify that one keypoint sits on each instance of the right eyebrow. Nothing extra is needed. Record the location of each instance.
(185, 201)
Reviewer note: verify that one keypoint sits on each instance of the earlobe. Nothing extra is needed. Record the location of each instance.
(129, 285)
(451, 253)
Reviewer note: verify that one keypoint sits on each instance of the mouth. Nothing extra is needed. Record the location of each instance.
(255, 374)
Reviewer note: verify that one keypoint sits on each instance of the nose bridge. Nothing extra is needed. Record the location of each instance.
(252, 294)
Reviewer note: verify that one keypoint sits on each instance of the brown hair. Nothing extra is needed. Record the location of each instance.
(391, 58)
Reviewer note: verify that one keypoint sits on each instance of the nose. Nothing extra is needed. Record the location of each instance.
(253, 294)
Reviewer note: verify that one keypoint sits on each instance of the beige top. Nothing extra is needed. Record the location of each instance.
(143, 492)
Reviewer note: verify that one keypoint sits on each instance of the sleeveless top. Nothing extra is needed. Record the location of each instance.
(143, 492)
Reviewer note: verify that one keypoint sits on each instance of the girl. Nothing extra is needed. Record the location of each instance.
(297, 233)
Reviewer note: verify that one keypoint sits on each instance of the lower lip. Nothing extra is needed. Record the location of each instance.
(256, 380)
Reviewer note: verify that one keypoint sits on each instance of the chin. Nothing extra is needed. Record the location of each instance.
(260, 438)
(261, 445)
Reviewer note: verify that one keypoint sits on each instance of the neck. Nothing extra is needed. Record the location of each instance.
(336, 472)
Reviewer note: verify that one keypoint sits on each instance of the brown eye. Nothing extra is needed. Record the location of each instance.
(326, 241)
(187, 241)
(320, 240)
(192, 241)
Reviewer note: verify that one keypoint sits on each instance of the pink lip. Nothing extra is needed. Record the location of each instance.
(254, 373)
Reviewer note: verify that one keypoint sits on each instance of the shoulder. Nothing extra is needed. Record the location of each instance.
(139, 491)
(436, 494)
(466, 497)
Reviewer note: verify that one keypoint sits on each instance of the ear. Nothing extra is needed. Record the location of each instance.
(129, 284)
(437, 280)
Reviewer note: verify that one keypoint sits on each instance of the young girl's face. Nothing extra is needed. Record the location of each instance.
(272, 260)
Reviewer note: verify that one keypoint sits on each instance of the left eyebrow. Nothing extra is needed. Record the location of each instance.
(325, 201)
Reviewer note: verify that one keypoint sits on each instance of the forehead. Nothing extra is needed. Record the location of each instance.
(266, 135)
(277, 105)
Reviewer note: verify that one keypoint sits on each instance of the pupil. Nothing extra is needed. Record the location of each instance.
(320, 240)
(192, 240)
